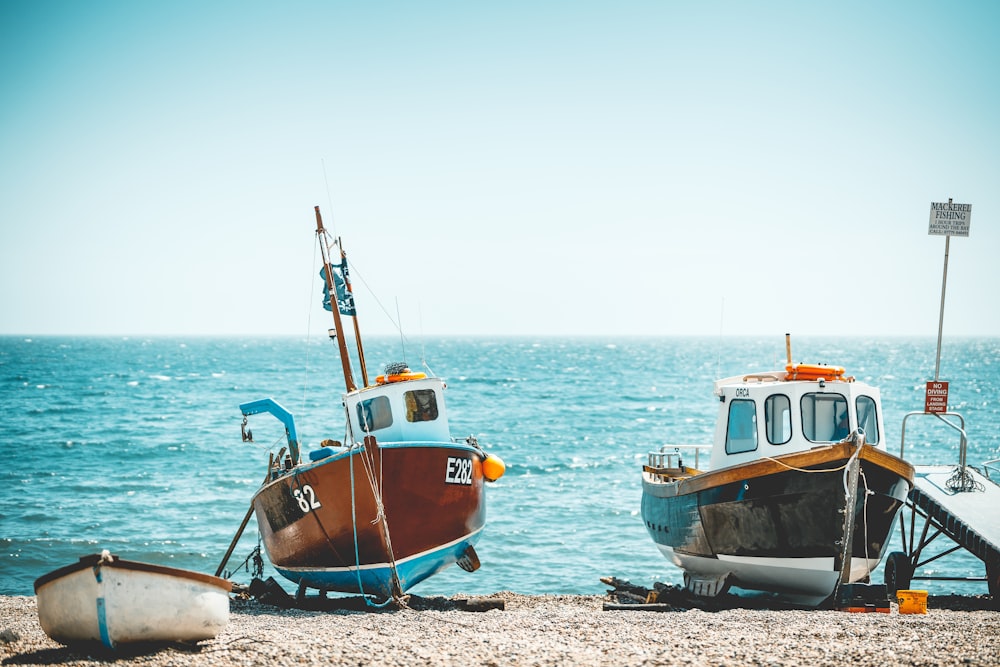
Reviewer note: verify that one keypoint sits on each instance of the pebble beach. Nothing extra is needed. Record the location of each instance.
(543, 630)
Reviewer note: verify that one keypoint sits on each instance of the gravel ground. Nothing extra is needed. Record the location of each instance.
(543, 630)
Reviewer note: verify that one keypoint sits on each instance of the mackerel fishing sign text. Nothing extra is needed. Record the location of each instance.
(948, 219)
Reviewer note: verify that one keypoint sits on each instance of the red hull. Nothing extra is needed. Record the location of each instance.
(432, 494)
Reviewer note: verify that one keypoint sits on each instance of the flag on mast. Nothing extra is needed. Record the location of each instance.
(345, 299)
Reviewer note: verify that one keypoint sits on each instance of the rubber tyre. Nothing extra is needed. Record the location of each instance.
(898, 572)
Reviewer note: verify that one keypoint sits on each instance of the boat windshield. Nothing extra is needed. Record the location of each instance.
(867, 419)
(374, 414)
(421, 405)
(741, 432)
(778, 419)
(824, 417)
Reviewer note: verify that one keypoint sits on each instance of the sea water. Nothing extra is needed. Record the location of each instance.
(133, 444)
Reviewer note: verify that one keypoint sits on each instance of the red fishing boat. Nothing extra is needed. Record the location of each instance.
(394, 502)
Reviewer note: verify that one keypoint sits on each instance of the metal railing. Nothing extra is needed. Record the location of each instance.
(961, 480)
(941, 416)
(664, 458)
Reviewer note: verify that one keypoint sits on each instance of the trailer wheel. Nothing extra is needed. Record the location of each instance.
(898, 572)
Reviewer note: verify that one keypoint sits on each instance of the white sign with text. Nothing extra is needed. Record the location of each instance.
(948, 219)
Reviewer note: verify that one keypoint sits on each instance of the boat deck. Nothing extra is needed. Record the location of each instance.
(963, 509)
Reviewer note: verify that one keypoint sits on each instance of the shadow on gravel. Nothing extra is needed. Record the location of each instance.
(97, 651)
(267, 596)
(665, 597)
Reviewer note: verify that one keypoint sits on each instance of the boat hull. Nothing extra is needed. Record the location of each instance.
(322, 525)
(778, 524)
(105, 599)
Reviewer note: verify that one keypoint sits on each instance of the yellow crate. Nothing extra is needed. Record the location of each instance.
(912, 602)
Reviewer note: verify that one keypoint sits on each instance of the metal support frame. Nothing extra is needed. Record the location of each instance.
(914, 549)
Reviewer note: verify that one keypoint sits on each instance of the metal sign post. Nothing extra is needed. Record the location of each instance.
(947, 220)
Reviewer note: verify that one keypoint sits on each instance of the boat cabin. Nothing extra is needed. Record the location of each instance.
(399, 410)
(770, 414)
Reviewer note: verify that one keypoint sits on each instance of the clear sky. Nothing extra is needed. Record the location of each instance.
(563, 168)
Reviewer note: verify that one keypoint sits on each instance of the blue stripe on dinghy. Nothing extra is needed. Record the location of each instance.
(102, 624)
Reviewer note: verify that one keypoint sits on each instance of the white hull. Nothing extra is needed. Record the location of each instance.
(103, 599)
(807, 581)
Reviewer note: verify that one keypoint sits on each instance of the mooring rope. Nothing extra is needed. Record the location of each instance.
(962, 480)
(857, 453)
(864, 516)
(396, 594)
(791, 467)
(852, 438)
(357, 553)
(375, 482)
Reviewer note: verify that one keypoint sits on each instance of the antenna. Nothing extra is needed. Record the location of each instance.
(402, 339)
(718, 361)
(420, 322)
(329, 199)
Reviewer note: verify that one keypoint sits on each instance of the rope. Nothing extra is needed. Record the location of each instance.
(394, 320)
(961, 480)
(357, 554)
(376, 486)
(864, 516)
(856, 454)
(791, 467)
(848, 539)
(329, 199)
(312, 296)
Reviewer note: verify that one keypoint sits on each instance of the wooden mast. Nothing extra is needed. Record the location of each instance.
(331, 289)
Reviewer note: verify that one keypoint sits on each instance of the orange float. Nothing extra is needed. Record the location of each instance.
(400, 377)
(814, 372)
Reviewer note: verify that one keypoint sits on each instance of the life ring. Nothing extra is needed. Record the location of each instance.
(400, 377)
(814, 372)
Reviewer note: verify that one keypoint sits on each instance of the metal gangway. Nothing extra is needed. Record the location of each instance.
(961, 503)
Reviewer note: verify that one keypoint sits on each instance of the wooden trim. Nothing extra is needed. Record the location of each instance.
(834, 453)
(889, 462)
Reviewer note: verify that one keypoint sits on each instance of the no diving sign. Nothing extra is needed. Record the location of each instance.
(936, 399)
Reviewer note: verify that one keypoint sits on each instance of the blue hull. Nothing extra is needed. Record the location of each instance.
(376, 579)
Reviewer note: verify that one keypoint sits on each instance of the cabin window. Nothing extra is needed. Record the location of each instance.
(867, 419)
(741, 431)
(421, 405)
(374, 414)
(824, 417)
(778, 419)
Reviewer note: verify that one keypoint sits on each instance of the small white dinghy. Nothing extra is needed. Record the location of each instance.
(104, 598)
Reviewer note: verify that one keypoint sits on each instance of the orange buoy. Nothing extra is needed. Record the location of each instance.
(493, 468)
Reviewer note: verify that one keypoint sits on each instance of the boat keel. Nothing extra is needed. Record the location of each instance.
(469, 560)
(707, 586)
